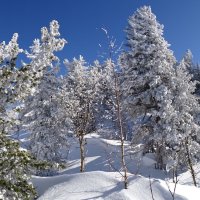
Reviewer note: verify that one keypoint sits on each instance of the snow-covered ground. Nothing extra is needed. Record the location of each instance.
(101, 181)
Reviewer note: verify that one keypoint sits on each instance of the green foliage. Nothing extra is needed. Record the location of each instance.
(15, 166)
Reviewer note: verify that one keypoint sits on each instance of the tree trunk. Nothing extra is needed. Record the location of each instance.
(122, 147)
(82, 152)
(189, 160)
(119, 117)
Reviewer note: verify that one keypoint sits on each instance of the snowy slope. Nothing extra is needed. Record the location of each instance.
(106, 185)
(100, 182)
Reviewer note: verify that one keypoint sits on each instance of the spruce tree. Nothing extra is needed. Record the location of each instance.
(16, 83)
(148, 78)
(186, 133)
(40, 114)
(14, 163)
(42, 119)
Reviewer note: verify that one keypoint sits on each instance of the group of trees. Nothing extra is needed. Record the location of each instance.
(145, 87)
(157, 89)
(160, 93)
(16, 85)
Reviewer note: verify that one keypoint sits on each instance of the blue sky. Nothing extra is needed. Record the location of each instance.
(81, 22)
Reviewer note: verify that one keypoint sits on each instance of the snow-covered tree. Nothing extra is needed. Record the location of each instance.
(188, 60)
(185, 103)
(105, 117)
(15, 167)
(80, 91)
(42, 53)
(14, 163)
(42, 119)
(192, 69)
(148, 77)
(41, 116)
(15, 84)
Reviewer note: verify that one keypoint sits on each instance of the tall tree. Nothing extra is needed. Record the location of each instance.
(42, 119)
(15, 84)
(41, 116)
(14, 163)
(186, 132)
(148, 77)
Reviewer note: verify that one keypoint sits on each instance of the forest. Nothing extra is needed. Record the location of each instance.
(139, 95)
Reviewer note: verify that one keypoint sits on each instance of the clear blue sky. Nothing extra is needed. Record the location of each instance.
(81, 21)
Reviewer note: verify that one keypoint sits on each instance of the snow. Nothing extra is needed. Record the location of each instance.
(148, 160)
(107, 185)
(102, 183)
(186, 179)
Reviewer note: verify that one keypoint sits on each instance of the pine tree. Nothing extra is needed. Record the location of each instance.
(148, 78)
(42, 119)
(192, 69)
(40, 114)
(42, 53)
(186, 132)
(188, 60)
(14, 163)
(15, 84)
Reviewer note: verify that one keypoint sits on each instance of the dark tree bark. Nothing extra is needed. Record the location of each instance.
(189, 161)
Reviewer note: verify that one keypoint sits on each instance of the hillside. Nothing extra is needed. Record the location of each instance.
(100, 181)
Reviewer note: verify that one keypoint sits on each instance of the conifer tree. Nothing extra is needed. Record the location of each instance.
(188, 60)
(192, 69)
(14, 162)
(186, 131)
(41, 116)
(148, 77)
(15, 84)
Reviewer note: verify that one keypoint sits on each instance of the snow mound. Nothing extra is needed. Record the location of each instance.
(101, 183)
(109, 186)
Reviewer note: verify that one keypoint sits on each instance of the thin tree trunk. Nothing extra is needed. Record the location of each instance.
(173, 174)
(150, 185)
(122, 146)
(190, 162)
(119, 117)
(82, 152)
